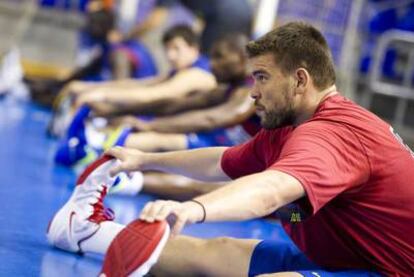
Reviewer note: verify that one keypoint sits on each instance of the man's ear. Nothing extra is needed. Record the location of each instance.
(302, 78)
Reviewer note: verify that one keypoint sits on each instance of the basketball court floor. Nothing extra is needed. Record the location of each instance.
(32, 188)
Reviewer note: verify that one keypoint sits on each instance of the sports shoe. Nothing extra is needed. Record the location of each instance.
(117, 137)
(76, 127)
(74, 147)
(128, 184)
(136, 249)
(73, 152)
(79, 218)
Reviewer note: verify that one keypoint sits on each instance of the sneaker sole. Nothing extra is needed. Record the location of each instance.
(136, 249)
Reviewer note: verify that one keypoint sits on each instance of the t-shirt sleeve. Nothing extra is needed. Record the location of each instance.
(244, 159)
(327, 158)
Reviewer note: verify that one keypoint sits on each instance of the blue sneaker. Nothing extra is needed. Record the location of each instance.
(117, 137)
(77, 126)
(74, 147)
(72, 152)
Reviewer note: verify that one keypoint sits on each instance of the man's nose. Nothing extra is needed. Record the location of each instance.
(254, 92)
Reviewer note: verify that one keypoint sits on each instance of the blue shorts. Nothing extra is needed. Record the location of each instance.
(217, 137)
(273, 256)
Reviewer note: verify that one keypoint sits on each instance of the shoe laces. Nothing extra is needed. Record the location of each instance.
(100, 212)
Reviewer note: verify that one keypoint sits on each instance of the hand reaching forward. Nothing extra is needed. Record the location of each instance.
(129, 160)
(176, 213)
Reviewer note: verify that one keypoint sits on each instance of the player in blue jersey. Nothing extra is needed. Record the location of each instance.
(190, 74)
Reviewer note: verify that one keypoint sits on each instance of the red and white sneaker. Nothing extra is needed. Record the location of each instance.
(136, 249)
(79, 218)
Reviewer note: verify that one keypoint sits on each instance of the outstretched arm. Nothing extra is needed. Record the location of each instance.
(248, 197)
(128, 95)
(79, 87)
(252, 196)
(134, 83)
(201, 164)
(235, 110)
(179, 86)
(161, 107)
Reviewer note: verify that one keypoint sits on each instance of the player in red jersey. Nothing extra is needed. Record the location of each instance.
(340, 173)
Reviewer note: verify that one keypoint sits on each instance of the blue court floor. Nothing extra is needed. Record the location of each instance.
(32, 188)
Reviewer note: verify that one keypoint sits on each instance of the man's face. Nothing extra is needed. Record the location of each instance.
(179, 53)
(227, 65)
(273, 92)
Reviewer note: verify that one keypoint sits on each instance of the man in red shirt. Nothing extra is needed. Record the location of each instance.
(339, 173)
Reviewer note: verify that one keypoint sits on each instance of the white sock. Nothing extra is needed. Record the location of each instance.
(100, 241)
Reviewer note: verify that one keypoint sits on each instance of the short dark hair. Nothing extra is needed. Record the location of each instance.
(295, 45)
(183, 31)
(99, 24)
(235, 42)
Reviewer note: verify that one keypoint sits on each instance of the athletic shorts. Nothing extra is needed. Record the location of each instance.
(275, 256)
(219, 137)
(207, 139)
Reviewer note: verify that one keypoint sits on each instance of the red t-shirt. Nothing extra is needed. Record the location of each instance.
(359, 182)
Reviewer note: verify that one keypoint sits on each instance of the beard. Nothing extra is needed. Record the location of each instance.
(279, 117)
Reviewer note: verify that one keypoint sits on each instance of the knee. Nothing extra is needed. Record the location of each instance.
(218, 242)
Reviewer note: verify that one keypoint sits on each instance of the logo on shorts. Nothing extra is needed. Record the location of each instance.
(292, 213)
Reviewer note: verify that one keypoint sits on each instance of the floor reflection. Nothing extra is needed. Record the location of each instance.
(59, 263)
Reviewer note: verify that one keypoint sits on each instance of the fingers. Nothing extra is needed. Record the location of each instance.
(145, 211)
(116, 152)
(158, 210)
(130, 160)
(161, 210)
(116, 170)
(178, 226)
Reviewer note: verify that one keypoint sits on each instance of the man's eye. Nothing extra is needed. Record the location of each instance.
(261, 77)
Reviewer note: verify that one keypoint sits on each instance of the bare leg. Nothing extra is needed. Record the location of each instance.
(188, 256)
(154, 142)
(175, 187)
